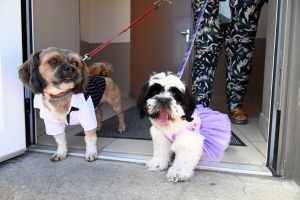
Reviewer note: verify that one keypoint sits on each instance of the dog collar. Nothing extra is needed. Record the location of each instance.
(58, 96)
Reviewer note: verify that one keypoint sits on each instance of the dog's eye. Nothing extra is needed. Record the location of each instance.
(53, 62)
(75, 63)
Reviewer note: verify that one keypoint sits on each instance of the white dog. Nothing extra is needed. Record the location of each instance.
(176, 125)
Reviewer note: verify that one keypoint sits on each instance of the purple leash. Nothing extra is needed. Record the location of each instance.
(191, 42)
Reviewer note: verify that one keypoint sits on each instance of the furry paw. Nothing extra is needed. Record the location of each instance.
(176, 174)
(98, 128)
(121, 129)
(91, 156)
(58, 157)
(154, 165)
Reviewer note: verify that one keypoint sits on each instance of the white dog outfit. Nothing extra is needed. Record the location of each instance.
(81, 110)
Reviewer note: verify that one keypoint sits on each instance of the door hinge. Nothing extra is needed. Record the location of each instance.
(27, 105)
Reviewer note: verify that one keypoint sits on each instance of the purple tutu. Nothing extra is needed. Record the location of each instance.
(216, 129)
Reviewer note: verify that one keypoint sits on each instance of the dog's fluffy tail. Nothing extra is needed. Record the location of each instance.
(101, 69)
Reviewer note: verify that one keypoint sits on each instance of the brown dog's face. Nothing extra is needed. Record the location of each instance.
(54, 70)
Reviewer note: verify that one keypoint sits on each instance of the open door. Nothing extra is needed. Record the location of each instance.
(12, 120)
(165, 30)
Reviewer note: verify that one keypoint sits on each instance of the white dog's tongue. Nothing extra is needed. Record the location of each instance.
(163, 117)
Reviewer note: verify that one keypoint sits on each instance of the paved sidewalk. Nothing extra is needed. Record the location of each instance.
(33, 176)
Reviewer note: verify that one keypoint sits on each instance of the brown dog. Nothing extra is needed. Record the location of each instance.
(68, 92)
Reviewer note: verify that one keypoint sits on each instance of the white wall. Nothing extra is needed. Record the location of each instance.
(12, 121)
(103, 19)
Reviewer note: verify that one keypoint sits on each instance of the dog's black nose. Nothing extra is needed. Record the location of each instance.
(69, 69)
(164, 101)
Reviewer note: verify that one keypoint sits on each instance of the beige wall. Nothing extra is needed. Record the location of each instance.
(100, 20)
(56, 23)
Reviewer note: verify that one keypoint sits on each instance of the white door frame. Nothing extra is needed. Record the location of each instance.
(12, 119)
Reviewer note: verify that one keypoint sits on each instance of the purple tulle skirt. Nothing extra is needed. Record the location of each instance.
(216, 129)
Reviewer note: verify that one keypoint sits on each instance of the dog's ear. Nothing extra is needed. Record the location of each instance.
(141, 101)
(30, 76)
(190, 105)
(82, 86)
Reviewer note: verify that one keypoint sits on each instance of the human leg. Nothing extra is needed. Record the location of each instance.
(208, 47)
(239, 46)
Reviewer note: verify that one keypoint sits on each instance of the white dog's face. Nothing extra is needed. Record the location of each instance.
(166, 100)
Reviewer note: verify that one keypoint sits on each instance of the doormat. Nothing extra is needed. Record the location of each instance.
(236, 141)
(137, 128)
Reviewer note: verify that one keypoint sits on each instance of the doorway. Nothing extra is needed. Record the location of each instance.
(126, 59)
(148, 43)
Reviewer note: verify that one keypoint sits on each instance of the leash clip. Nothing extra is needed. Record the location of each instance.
(86, 57)
(162, 1)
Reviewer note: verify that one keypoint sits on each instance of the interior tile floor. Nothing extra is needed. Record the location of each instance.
(253, 154)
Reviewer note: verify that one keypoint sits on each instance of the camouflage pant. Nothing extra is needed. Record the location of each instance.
(237, 38)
